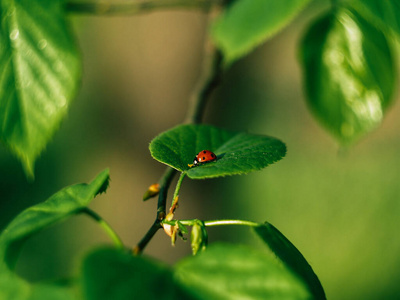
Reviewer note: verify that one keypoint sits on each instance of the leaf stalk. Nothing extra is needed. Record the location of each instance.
(106, 227)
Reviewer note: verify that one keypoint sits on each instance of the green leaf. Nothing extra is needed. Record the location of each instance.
(288, 254)
(113, 274)
(238, 272)
(246, 24)
(349, 74)
(39, 74)
(237, 152)
(385, 14)
(14, 288)
(58, 207)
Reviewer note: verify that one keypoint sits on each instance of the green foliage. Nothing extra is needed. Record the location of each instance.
(112, 274)
(349, 78)
(246, 24)
(237, 152)
(14, 288)
(288, 254)
(39, 74)
(349, 74)
(383, 13)
(58, 207)
(226, 271)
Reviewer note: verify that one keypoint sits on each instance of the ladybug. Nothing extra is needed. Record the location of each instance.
(203, 157)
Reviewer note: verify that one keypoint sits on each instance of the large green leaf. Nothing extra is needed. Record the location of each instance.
(238, 272)
(349, 74)
(237, 152)
(113, 274)
(66, 202)
(14, 288)
(288, 254)
(245, 24)
(385, 14)
(39, 74)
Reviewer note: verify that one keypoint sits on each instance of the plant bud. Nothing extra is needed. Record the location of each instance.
(152, 191)
(198, 237)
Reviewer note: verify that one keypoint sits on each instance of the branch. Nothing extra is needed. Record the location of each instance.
(165, 183)
(136, 7)
(208, 81)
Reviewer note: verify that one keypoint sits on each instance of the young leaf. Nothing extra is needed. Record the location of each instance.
(349, 74)
(39, 74)
(288, 254)
(58, 207)
(237, 152)
(246, 24)
(238, 272)
(113, 274)
(386, 14)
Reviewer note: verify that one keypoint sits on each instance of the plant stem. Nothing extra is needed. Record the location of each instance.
(208, 81)
(230, 222)
(106, 227)
(178, 184)
(135, 7)
(214, 222)
(165, 183)
(138, 249)
(174, 204)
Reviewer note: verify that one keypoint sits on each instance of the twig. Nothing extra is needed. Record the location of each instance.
(165, 183)
(208, 81)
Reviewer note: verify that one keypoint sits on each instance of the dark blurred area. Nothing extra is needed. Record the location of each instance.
(340, 208)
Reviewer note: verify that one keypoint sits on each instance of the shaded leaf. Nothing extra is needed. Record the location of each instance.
(237, 152)
(39, 74)
(113, 274)
(58, 207)
(349, 74)
(290, 257)
(385, 14)
(14, 288)
(246, 24)
(236, 272)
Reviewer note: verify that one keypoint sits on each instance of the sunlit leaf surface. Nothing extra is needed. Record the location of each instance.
(237, 152)
(39, 74)
(349, 74)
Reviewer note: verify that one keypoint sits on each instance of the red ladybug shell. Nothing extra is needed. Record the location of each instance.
(204, 156)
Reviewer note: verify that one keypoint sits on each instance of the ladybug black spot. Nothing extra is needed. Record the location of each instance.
(204, 151)
(204, 157)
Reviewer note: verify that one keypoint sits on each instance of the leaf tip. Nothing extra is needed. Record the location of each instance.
(105, 178)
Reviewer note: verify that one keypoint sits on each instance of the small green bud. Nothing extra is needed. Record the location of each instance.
(198, 237)
(152, 191)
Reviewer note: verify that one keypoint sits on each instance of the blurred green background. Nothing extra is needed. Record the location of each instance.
(340, 208)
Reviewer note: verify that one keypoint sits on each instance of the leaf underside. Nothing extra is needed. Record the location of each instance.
(246, 24)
